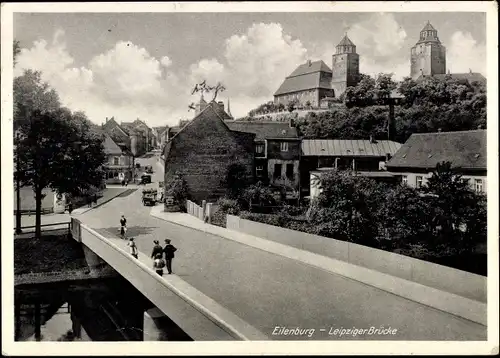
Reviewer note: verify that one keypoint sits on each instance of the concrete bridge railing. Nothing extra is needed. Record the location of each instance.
(195, 313)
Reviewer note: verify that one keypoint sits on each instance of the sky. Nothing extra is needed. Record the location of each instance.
(144, 65)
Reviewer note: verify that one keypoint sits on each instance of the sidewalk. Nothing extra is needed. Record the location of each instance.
(469, 309)
(108, 194)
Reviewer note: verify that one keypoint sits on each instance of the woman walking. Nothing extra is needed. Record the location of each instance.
(159, 264)
(133, 248)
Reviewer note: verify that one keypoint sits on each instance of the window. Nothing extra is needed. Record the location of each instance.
(284, 146)
(116, 160)
(478, 184)
(420, 180)
(259, 170)
(259, 148)
(289, 171)
(404, 179)
(277, 171)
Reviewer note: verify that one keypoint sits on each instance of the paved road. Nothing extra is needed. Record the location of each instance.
(270, 291)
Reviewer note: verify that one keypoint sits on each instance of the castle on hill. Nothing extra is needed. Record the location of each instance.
(314, 83)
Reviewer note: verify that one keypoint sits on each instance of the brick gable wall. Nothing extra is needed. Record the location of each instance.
(203, 152)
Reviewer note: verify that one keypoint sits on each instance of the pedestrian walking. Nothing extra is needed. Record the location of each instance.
(157, 249)
(169, 250)
(95, 199)
(123, 226)
(70, 207)
(133, 248)
(159, 264)
(89, 201)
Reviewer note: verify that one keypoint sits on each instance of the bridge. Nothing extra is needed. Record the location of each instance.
(232, 285)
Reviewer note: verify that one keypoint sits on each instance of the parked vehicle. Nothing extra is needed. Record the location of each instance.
(149, 197)
(145, 178)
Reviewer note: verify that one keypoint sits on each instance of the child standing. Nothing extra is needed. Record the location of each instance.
(133, 248)
(159, 264)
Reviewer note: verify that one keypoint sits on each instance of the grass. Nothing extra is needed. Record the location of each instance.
(47, 254)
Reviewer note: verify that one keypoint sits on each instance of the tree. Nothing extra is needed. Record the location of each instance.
(177, 187)
(17, 50)
(235, 180)
(458, 211)
(58, 151)
(346, 208)
(32, 94)
(291, 106)
(259, 195)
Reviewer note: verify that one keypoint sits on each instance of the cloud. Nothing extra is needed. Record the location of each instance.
(464, 53)
(379, 36)
(165, 61)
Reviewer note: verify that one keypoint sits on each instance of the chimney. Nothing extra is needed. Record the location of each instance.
(470, 71)
(106, 119)
(221, 105)
(309, 63)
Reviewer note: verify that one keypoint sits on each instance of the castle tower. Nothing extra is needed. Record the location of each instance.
(428, 56)
(345, 67)
(200, 106)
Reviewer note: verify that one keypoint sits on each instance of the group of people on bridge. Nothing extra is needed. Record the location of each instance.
(159, 262)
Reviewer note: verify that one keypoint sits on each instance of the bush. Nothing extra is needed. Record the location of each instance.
(178, 188)
(224, 206)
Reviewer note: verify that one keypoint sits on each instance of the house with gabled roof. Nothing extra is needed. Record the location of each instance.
(277, 153)
(202, 153)
(119, 161)
(415, 161)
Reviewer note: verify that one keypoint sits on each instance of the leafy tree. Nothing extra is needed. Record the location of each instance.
(291, 106)
(344, 209)
(236, 180)
(177, 187)
(258, 194)
(17, 50)
(458, 211)
(32, 94)
(57, 151)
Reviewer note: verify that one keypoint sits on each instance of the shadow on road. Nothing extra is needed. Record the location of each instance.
(126, 193)
(132, 231)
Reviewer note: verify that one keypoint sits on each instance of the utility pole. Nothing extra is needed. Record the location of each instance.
(18, 189)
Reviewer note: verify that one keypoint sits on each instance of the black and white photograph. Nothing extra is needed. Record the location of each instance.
(250, 178)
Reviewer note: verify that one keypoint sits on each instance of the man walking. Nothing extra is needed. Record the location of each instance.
(157, 249)
(169, 250)
(123, 226)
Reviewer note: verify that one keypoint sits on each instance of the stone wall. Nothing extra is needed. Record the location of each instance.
(444, 278)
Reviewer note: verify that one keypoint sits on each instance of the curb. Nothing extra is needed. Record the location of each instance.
(75, 212)
(450, 303)
(225, 319)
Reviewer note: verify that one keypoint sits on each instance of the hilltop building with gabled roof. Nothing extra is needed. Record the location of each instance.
(311, 82)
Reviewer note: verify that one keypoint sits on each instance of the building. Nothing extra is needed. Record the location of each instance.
(363, 157)
(428, 58)
(277, 154)
(345, 67)
(145, 138)
(415, 161)
(203, 151)
(126, 134)
(119, 164)
(157, 135)
(312, 82)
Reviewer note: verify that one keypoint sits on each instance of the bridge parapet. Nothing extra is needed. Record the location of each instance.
(195, 313)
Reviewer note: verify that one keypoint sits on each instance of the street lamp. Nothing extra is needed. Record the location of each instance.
(18, 189)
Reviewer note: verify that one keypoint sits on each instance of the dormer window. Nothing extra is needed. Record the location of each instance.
(284, 146)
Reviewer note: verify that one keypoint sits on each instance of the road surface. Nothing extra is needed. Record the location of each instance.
(270, 291)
